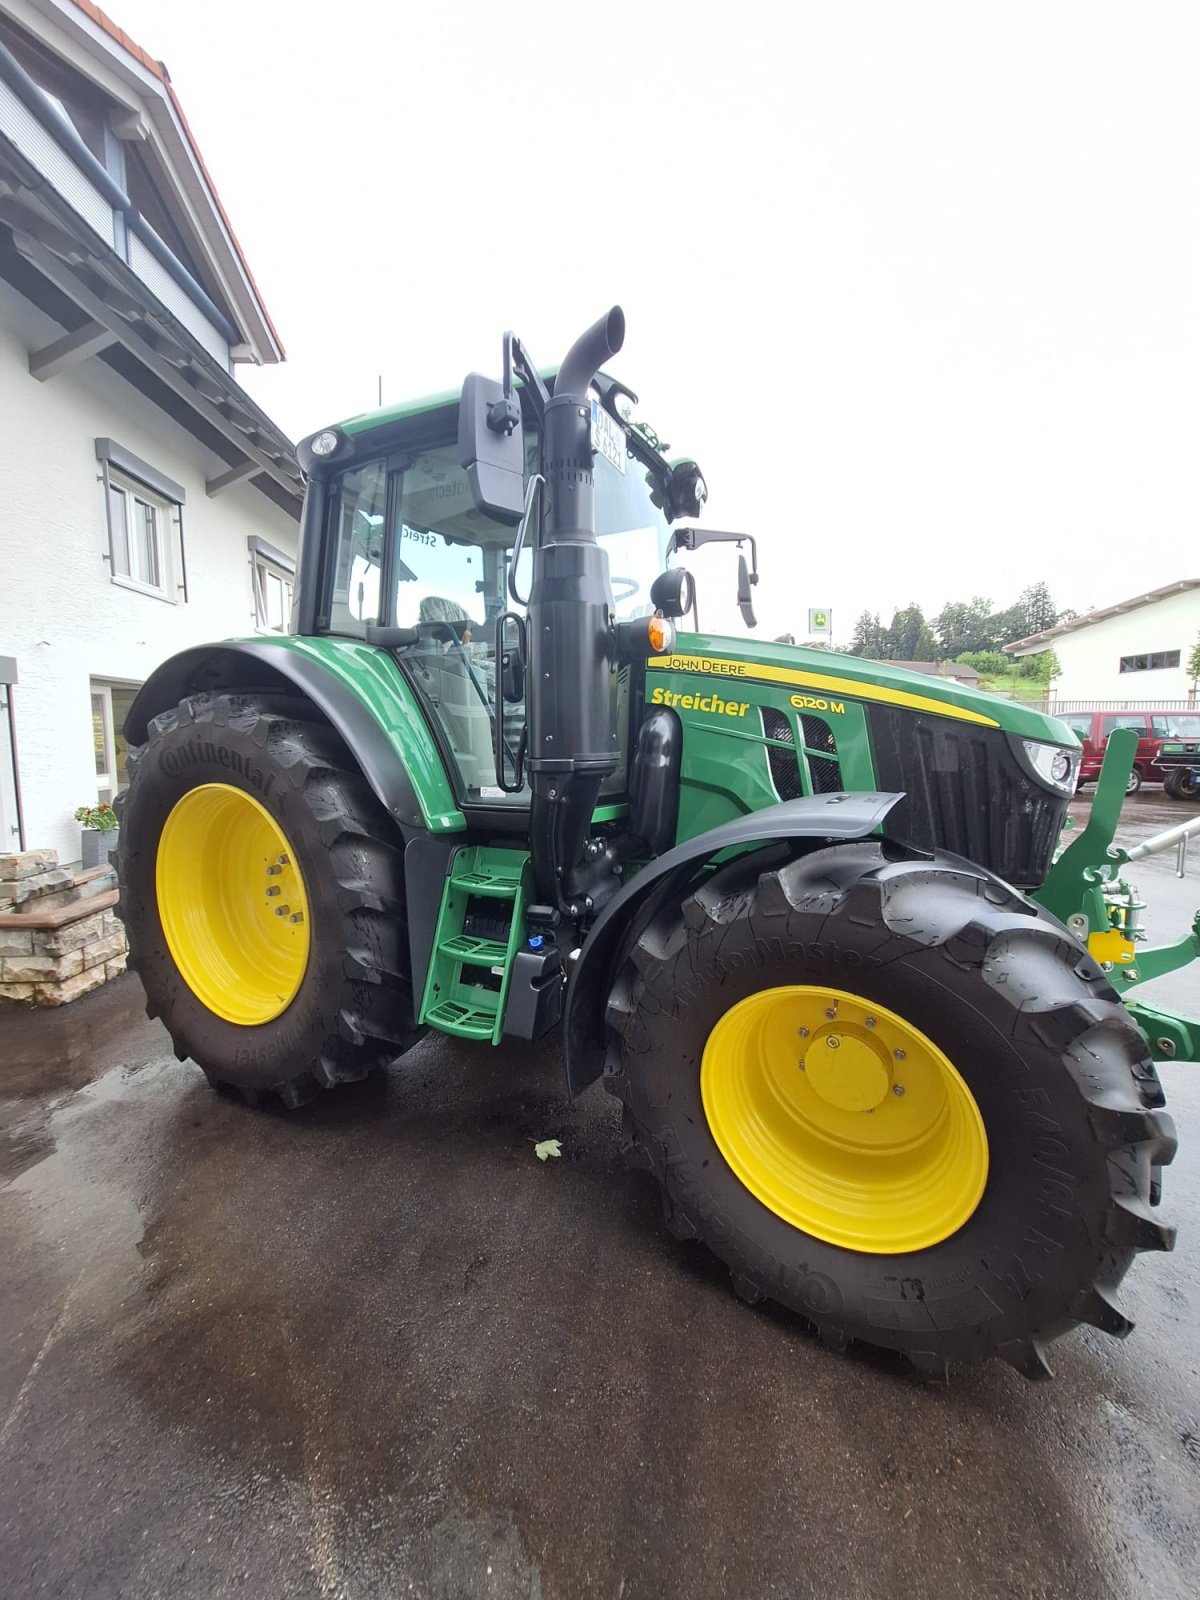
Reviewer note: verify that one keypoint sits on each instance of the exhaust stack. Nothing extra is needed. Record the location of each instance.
(572, 648)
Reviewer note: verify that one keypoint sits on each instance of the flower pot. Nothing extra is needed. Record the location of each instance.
(96, 847)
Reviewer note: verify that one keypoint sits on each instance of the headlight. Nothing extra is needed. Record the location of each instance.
(1054, 764)
(324, 444)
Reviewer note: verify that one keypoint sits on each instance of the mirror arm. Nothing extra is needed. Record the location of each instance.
(517, 359)
(693, 538)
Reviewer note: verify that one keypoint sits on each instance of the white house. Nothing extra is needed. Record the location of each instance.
(146, 502)
(1136, 652)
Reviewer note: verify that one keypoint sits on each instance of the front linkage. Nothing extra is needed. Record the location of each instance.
(1086, 891)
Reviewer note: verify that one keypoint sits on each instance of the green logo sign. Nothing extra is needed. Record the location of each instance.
(818, 622)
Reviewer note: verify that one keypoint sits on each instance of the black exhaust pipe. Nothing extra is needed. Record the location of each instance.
(572, 647)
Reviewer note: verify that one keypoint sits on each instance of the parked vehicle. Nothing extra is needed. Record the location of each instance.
(1151, 726)
(804, 913)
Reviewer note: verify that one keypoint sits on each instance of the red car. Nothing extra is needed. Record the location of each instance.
(1093, 728)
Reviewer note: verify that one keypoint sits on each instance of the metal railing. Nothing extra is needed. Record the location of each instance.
(1057, 707)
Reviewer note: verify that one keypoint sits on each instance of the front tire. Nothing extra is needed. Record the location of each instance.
(263, 898)
(1181, 783)
(937, 1236)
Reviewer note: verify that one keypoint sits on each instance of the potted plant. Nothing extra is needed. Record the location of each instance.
(99, 836)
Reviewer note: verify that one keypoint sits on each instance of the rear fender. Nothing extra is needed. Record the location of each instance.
(813, 821)
(357, 689)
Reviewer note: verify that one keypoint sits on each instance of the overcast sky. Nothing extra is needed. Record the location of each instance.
(915, 283)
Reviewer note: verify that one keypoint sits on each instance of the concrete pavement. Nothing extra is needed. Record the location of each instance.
(378, 1349)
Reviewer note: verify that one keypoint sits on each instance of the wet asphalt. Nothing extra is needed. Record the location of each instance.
(377, 1348)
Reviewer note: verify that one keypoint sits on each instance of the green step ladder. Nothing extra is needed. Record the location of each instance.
(455, 1001)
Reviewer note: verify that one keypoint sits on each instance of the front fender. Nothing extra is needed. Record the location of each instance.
(821, 819)
(358, 689)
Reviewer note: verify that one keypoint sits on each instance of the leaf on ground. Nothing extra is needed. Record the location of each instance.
(547, 1147)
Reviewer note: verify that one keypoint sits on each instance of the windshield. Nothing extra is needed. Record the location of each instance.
(449, 553)
(413, 551)
(1176, 725)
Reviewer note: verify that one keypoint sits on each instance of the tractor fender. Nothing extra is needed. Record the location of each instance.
(818, 819)
(359, 692)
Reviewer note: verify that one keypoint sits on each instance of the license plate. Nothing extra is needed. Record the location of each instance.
(608, 437)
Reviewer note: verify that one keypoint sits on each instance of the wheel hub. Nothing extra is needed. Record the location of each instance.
(848, 1071)
(844, 1118)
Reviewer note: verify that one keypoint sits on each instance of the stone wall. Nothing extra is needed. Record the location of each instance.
(59, 936)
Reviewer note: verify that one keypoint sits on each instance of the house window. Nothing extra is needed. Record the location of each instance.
(274, 574)
(1150, 663)
(144, 510)
(139, 525)
(110, 707)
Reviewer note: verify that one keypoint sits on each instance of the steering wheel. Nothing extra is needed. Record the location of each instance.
(630, 587)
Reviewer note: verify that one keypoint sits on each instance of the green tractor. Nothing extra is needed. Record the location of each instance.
(801, 912)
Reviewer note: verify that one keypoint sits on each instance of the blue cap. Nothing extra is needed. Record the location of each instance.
(536, 941)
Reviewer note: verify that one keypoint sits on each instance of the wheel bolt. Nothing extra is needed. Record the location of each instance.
(273, 871)
(803, 1032)
(898, 1090)
(899, 1054)
(283, 861)
(832, 1012)
(870, 1022)
(281, 911)
(298, 916)
(273, 888)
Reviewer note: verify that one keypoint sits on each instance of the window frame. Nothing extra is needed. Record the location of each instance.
(136, 494)
(1155, 661)
(267, 562)
(108, 782)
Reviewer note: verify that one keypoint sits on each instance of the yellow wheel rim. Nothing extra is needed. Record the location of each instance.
(844, 1119)
(232, 904)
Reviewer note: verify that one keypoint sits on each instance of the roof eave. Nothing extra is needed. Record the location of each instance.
(149, 80)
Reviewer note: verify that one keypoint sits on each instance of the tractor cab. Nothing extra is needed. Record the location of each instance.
(416, 565)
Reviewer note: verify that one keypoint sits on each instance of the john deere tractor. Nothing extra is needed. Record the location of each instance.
(801, 912)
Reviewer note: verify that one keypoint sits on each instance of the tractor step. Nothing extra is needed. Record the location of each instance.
(461, 1020)
(468, 977)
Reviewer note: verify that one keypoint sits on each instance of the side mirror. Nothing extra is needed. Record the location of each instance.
(491, 448)
(745, 598)
(673, 592)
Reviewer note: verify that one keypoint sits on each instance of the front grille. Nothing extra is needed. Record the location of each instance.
(785, 769)
(966, 792)
(819, 752)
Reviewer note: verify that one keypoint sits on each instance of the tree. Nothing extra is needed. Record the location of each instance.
(1193, 665)
(910, 637)
(1040, 612)
(868, 637)
(962, 626)
(1043, 667)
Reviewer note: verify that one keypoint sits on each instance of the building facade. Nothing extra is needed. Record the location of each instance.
(1135, 652)
(146, 502)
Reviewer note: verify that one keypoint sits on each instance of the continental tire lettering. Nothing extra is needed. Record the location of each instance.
(198, 751)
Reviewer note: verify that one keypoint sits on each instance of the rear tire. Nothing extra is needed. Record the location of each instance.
(1135, 781)
(1052, 1060)
(349, 1009)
